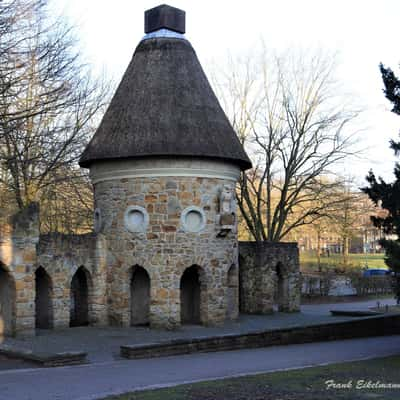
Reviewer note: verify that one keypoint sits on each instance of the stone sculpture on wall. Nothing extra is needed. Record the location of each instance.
(227, 210)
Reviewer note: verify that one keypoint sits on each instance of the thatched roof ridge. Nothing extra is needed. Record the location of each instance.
(164, 106)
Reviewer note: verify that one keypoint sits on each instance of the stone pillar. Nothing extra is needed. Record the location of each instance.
(119, 310)
(24, 300)
(98, 312)
(165, 305)
(294, 286)
(264, 296)
(22, 260)
(61, 299)
(232, 295)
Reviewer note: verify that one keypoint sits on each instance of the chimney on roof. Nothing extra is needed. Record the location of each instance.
(164, 17)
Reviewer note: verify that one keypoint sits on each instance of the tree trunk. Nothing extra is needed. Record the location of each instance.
(345, 250)
(319, 250)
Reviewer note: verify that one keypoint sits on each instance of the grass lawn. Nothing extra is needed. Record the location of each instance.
(303, 384)
(308, 260)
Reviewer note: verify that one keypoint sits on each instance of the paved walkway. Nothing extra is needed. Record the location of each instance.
(321, 309)
(7, 363)
(97, 380)
(103, 344)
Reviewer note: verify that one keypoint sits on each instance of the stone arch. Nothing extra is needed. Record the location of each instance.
(140, 296)
(232, 306)
(7, 302)
(80, 296)
(43, 299)
(193, 295)
(281, 290)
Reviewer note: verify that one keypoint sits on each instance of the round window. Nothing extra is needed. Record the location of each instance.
(136, 219)
(193, 219)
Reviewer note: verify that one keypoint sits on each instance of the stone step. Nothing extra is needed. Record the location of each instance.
(354, 328)
(44, 359)
(354, 313)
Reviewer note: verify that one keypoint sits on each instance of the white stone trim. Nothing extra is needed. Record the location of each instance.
(164, 33)
(153, 168)
(184, 214)
(128, 224)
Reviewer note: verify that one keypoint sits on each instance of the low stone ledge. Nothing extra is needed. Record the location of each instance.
(354, 328)
(45, 359)
(355, 313)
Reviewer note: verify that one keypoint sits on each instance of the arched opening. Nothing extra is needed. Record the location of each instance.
(43, 300)
(280, 294)
(79, 306)
(232, 306)
(190, 296)
(140, 296)
(7, 303)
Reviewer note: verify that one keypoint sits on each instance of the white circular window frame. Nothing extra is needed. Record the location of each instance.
(98, 220)
(136, 228)
(184, 214)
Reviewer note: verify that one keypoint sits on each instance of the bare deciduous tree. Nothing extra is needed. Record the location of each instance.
(296, 128)
(348, 220)
(49, 102)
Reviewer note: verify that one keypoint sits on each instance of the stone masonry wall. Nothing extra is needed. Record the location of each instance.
(269, 273)
(61, 256)
(165, 249)
(23, 251)
(18, 239)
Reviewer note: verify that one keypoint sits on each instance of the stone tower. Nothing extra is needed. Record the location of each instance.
(164, 163)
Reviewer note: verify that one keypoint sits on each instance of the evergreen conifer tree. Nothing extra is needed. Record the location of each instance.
(387, 195)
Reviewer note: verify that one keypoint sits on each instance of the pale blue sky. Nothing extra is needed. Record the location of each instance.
(363, 32)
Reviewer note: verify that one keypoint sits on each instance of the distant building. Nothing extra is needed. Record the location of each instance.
(364, 236)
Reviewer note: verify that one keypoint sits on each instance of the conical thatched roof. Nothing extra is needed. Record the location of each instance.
(164, 106)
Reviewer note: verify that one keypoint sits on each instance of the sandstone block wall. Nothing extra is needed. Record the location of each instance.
(156, 258)
(165, 249)
(23, 251)
(269, 274)
(18, 257)
(61, 256)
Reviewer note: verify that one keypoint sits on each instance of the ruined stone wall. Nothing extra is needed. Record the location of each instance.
(269, 273)
(18, 239)
(165, 248)
(61, 256)
(23, 251)
(160, 249)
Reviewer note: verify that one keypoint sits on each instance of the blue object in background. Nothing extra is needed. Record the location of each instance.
(376, 272)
